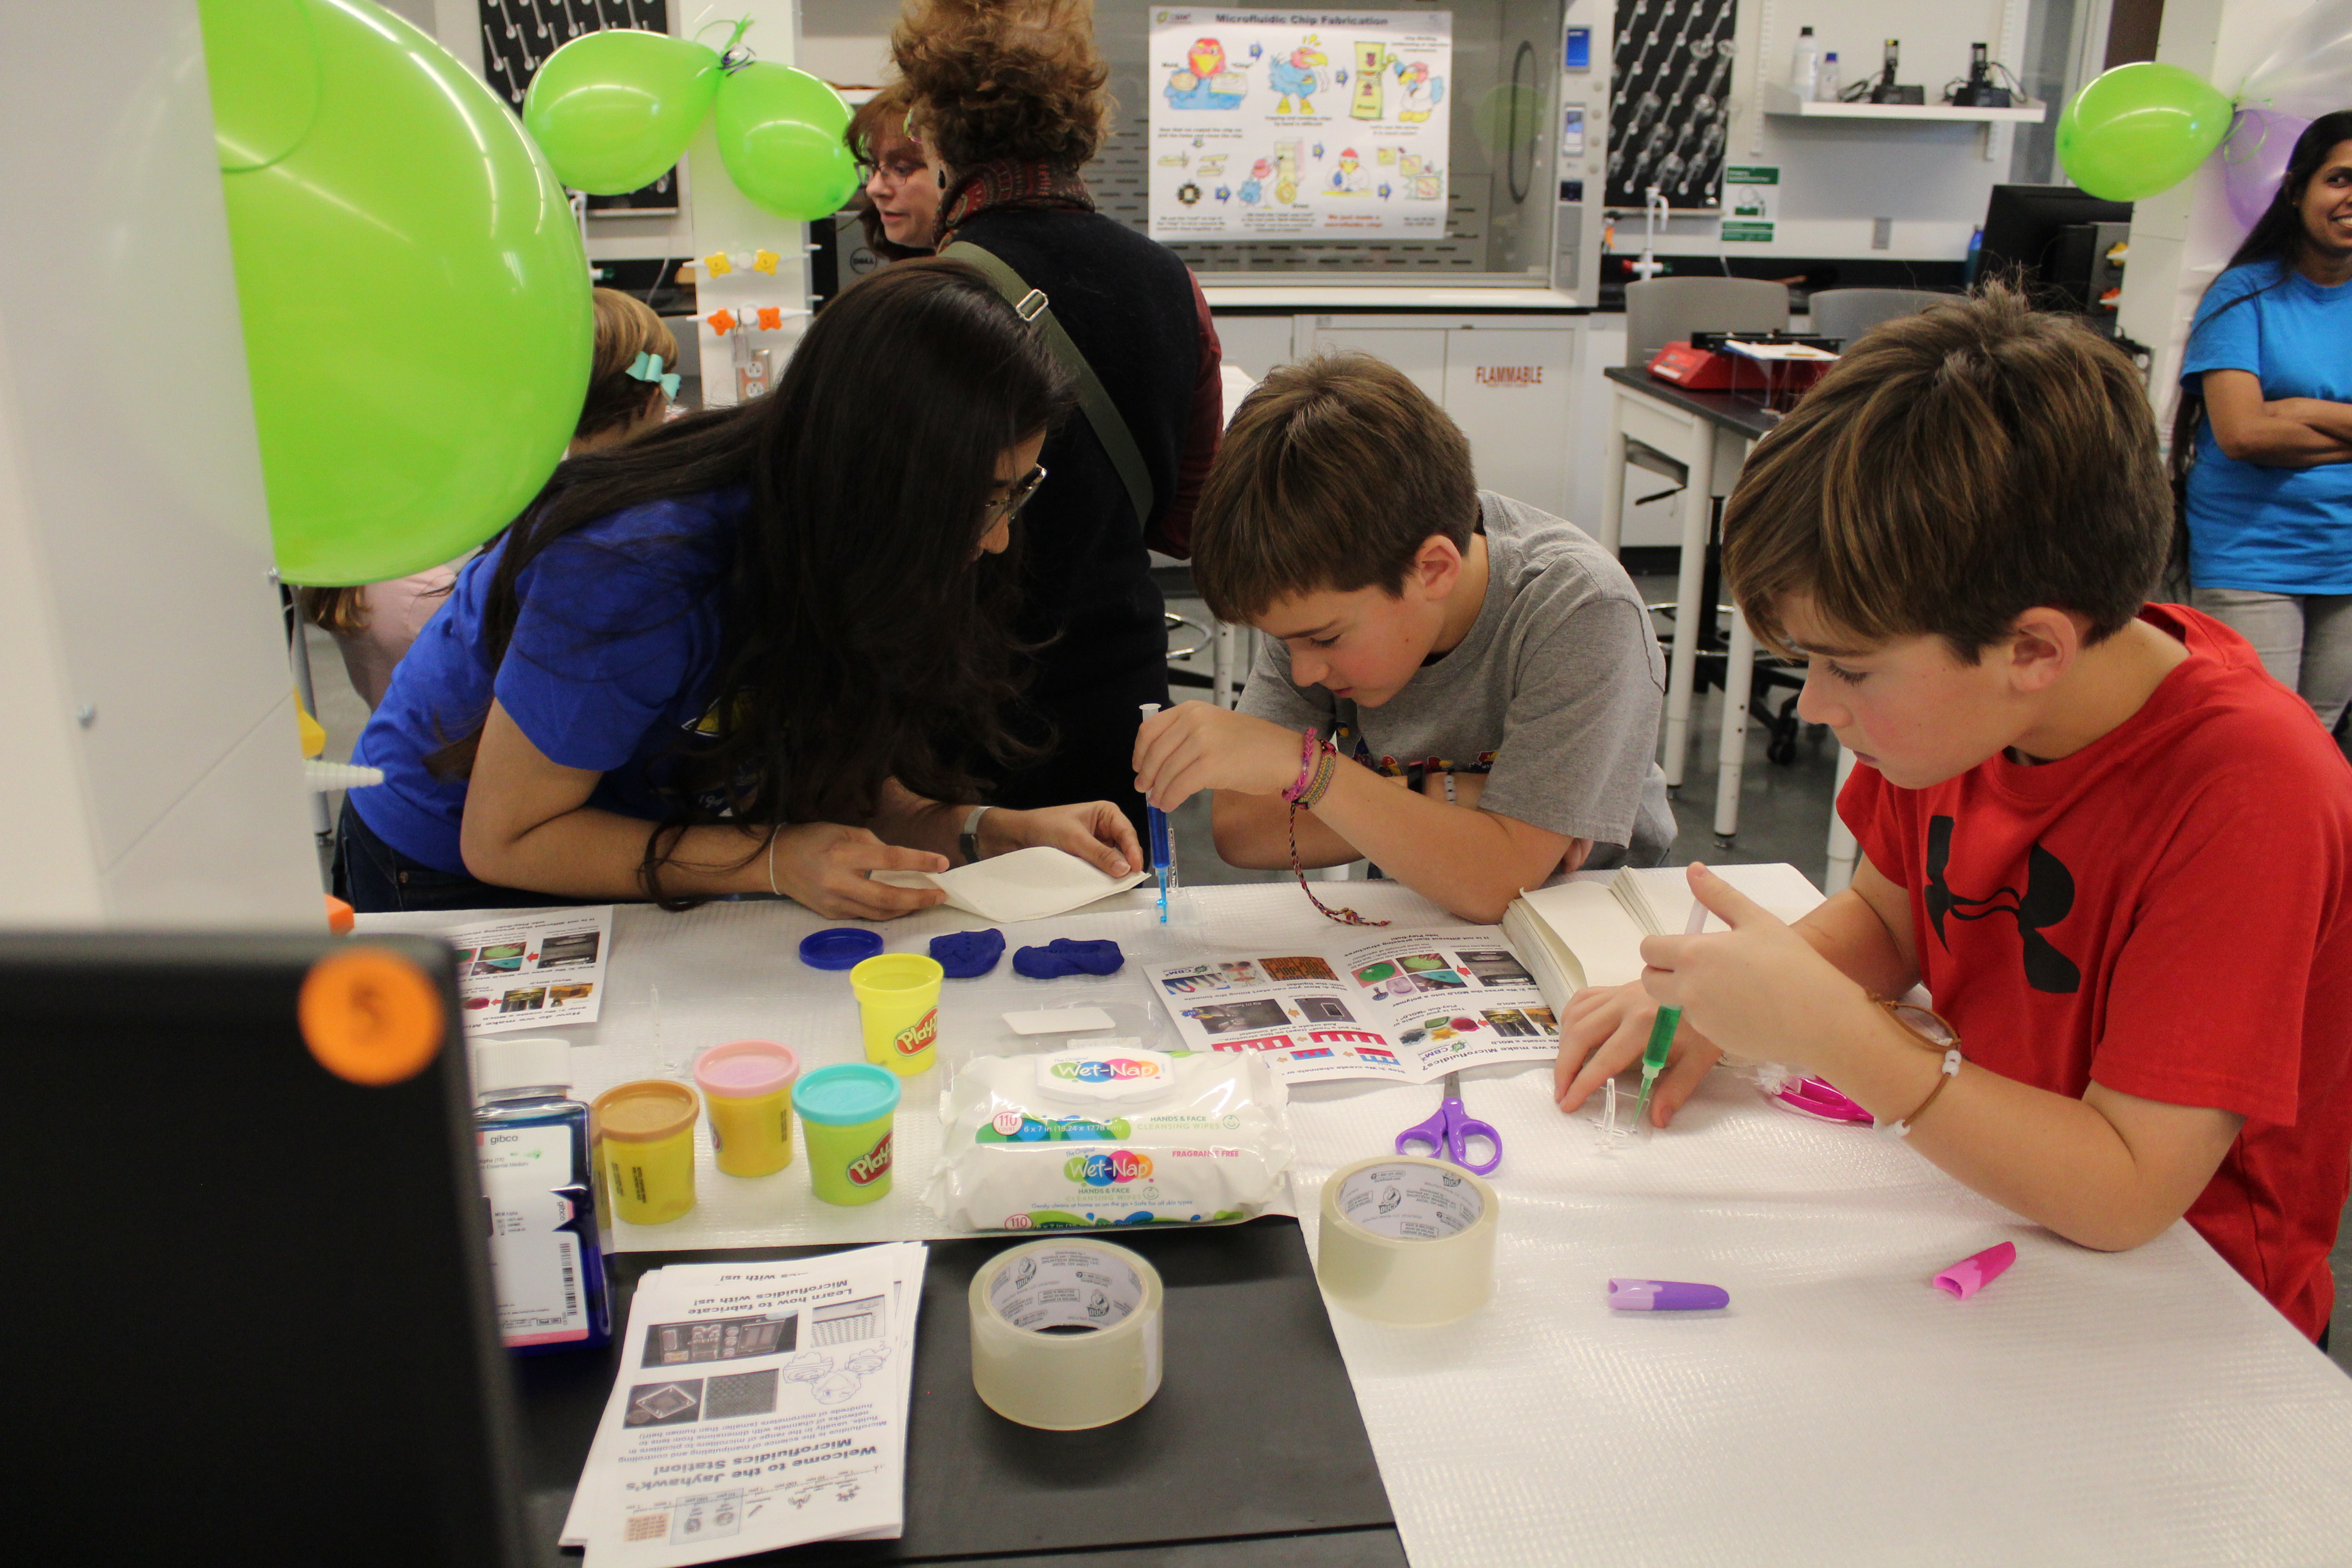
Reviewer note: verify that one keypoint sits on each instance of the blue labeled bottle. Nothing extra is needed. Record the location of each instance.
(547, 1241)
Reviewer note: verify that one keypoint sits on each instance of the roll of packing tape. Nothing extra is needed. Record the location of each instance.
(1065, 1334)
(1407, 1241)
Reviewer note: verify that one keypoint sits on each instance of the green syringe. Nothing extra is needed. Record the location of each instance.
(1662, 1032)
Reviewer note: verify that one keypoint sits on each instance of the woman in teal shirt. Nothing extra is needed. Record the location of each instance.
(2269, 367)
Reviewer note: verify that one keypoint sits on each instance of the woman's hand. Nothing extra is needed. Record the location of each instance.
(1094, 831)
(1604, 1032)
(1195, 746)
(823, 865)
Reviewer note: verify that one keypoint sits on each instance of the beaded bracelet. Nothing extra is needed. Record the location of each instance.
(1325, 769)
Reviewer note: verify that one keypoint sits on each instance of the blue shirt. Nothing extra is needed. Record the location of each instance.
(615, 651)
(2277, 530)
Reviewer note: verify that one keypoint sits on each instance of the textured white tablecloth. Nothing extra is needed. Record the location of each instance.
(2146, 1407)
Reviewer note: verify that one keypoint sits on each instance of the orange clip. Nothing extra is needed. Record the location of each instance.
(720, 322)
(770, 320)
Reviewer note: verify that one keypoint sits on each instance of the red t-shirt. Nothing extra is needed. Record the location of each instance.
(2165, 911)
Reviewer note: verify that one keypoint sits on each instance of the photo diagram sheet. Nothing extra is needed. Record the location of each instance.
(1267, 124)
(1408, 1008)
(759, 1406)
(532, 971)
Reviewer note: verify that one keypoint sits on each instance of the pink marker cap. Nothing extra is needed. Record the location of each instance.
(746, 1070)
(1972, 1274)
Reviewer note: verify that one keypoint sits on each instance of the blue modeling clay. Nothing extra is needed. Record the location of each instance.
(968, 954)
(1063, 956)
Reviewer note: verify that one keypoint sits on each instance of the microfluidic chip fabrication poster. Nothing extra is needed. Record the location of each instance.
(1277, 125)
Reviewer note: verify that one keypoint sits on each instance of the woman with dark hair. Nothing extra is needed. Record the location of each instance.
(753, 651)
(899, 206)
(1010, 105)
(2264, 429)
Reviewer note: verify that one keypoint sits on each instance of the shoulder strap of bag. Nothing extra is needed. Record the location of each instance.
(1094, 399)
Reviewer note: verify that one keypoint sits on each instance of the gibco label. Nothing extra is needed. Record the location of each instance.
(918, 1038)
(871, 1165)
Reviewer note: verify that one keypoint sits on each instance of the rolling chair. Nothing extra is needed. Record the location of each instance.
(1847, 313)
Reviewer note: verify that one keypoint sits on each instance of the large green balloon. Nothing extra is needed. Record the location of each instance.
(613, 110)
(779, 136)
(2140, 129)
(417, 324)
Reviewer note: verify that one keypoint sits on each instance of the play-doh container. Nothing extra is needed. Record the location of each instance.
(898, 1008)
(846, 1111)
(645, 1148)
(747, 1089)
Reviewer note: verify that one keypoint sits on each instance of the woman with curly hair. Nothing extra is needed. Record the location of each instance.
(1009, 101)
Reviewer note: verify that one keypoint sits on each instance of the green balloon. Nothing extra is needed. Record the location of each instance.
(780, 134)
(262, 57)
(613, 110)
(417, 324)
(2140, 129)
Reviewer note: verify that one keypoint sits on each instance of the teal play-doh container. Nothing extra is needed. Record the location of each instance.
(847, 1113)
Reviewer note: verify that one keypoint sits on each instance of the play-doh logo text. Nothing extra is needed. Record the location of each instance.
(1115, 1070)
(920, 1036)
(871, 1165)
(1108, 1168)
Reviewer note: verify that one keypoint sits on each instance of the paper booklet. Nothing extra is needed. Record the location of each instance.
(1029, 884)
(1588, 931)
(759, 1406)
(536, 971)
(1405, 1007)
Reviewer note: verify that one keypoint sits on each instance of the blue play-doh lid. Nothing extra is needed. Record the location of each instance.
(842, 947)
(846, 1094)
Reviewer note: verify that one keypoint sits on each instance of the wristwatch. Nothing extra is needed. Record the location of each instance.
(967, 841)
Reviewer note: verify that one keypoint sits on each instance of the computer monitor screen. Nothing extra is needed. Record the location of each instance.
(253, 1286)
(2023, 230)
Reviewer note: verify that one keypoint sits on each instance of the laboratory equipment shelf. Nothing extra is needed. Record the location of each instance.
(1780, 99)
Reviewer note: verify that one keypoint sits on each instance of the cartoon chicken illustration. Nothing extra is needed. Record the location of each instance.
(1297, 75)
(1422, 92)
(1253, 188)
(1351, 178)
(1204, 82)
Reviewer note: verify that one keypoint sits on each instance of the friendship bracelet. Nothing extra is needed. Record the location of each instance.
(1308, 751)
(1327, 769)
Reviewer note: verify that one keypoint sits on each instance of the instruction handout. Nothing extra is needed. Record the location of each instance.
(1408, 1008)
(534, 971)
(759, 1406)
(1300, 124)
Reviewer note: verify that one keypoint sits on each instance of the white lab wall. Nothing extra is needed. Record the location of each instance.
(2181, 238)
(153, 775)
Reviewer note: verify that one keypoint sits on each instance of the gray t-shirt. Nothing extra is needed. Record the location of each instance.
(1555, 695)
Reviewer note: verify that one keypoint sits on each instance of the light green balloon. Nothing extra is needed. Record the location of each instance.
(262, 58)
(417, 324)
(2140, 129)
(613, 109)
(780, 134)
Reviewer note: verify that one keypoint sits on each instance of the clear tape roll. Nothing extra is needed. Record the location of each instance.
(1066, 1333)
(1407, 1241)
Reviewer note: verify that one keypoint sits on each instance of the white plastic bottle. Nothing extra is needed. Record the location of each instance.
(1827, 88)
(1805, 66)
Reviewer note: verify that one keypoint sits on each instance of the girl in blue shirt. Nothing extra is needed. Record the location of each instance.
(760, 649)
(2266, 410)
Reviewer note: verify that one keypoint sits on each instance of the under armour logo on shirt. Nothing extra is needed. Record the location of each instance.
(2048, 899)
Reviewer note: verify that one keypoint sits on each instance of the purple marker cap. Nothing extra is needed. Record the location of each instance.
(1665, 1296)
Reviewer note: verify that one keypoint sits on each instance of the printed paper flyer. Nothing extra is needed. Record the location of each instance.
(1274, 124)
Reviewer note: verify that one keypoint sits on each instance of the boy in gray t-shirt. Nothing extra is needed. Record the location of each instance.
(1471, 703)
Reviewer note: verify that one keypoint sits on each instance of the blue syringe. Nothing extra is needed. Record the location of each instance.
(1163, 841)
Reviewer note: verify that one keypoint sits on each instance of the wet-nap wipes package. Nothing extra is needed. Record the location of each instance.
(1107, 1134)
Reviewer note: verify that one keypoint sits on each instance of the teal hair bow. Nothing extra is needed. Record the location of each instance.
(649, 367)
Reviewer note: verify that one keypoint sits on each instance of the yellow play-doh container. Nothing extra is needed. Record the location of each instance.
(747, 1088)
(847, 1114)
(898, 1008)
(643, 1133)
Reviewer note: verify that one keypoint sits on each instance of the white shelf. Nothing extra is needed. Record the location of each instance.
(1780, 99)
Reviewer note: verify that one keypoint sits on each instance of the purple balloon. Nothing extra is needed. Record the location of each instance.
(2254, 160)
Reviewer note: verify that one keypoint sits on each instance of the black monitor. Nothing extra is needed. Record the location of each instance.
(252, 1287)
(2045, 233)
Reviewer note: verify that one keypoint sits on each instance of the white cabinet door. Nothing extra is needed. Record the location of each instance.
(1419, 351)
(1511, 390)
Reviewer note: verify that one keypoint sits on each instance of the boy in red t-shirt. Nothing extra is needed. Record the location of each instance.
(2114, 850)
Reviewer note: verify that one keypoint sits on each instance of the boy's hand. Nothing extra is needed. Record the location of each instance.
(1759, 988)
(1603, 1033)
(1197, 746)
(1094, 831)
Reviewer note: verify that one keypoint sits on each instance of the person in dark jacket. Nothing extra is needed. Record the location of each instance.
(1010, 105)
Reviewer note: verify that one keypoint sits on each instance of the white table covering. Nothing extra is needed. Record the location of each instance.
(2085, 1408)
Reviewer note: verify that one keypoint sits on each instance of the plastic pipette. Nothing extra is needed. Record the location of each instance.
(1163, 843)
(1662, 1032)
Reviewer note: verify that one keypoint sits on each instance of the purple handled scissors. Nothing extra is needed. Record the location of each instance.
(1451, 1128)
